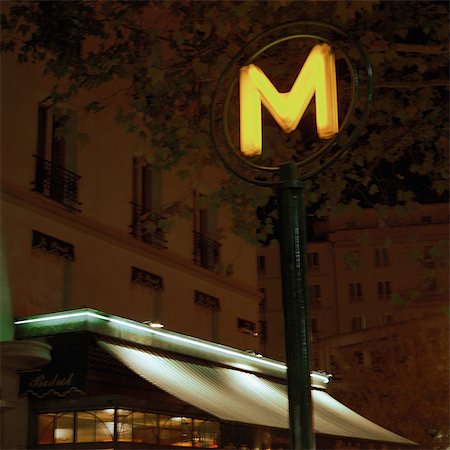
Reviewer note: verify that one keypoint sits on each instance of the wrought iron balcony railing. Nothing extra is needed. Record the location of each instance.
(206, 251)
(57, 183)
(146, 226)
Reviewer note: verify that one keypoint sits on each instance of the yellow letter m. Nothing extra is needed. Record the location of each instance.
(317, 77)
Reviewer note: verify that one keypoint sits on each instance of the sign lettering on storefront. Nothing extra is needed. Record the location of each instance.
(41, 381)
(60, 383)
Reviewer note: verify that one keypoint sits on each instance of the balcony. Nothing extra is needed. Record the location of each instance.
(56, 183)
(206, 251)
(146, 227)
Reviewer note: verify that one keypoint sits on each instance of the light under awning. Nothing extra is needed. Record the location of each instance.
(244, 397)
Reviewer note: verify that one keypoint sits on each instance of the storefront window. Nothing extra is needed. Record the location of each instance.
(136, 426)
(205, 434)
(46, 424)
(55, 428)
(95, 426)
(175, 431)
(64, 428)
(132, 426)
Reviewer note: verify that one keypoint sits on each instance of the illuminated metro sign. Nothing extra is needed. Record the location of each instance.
(317, 77)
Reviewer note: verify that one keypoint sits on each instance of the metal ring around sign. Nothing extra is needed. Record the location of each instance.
(264, 175)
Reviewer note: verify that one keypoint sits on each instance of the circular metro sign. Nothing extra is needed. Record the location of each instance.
(298, 92)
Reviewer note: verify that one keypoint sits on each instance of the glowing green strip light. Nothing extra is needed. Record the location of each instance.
(147, 329)
(201, 344)
(61, 316)
(164, 334)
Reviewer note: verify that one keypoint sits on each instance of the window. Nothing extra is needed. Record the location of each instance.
(146, 204)
(95, 426)
(263, 296)
(352, 259)
(52, 245)
(55, 159)
(427, 259)
(262, 333)
(261, 264)
(137, 426)
(430, 285)
(176, 431)
(187, 432)
(91, 426)
(207, 315)
(386, 319)
(56, 428)
(262, 316)
(384, 290)
(51, 272)
(358, 357)
(146, 278)
(358, 323)
(378, 362)
(205, 433)
(355, 294)
(381, 257)
(315, 297)
(247, 327)
(153, 285)
(131, 426)
(206, 247)
(312, 260)
(206, 301)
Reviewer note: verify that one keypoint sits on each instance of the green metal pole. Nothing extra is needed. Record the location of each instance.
(291, 214)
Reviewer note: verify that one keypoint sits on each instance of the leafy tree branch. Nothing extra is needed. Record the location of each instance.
(166, 58)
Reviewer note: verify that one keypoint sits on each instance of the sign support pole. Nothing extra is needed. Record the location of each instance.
(283, 177)
(291, 215)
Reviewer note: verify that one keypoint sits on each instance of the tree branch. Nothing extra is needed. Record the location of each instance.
(412, 84)
(421, 48)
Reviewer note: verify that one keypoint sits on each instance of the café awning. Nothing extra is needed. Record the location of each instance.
(241, 396)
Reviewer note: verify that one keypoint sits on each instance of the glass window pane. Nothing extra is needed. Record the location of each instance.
(95, 426)
(205, 434)
(45, 428)
(64, 428)
(145, 427)
(175, 431)
(85, 426)
(136, 426)
(124, 425)
(104, 425)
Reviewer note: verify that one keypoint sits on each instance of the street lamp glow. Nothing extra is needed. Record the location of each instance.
(317, 77)
(153, 324)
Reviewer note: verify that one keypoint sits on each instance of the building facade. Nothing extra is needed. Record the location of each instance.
(364, 274)
(85, 222)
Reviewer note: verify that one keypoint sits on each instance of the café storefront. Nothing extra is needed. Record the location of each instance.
(118, 384)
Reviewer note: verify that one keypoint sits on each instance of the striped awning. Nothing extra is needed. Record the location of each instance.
(240, 396)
